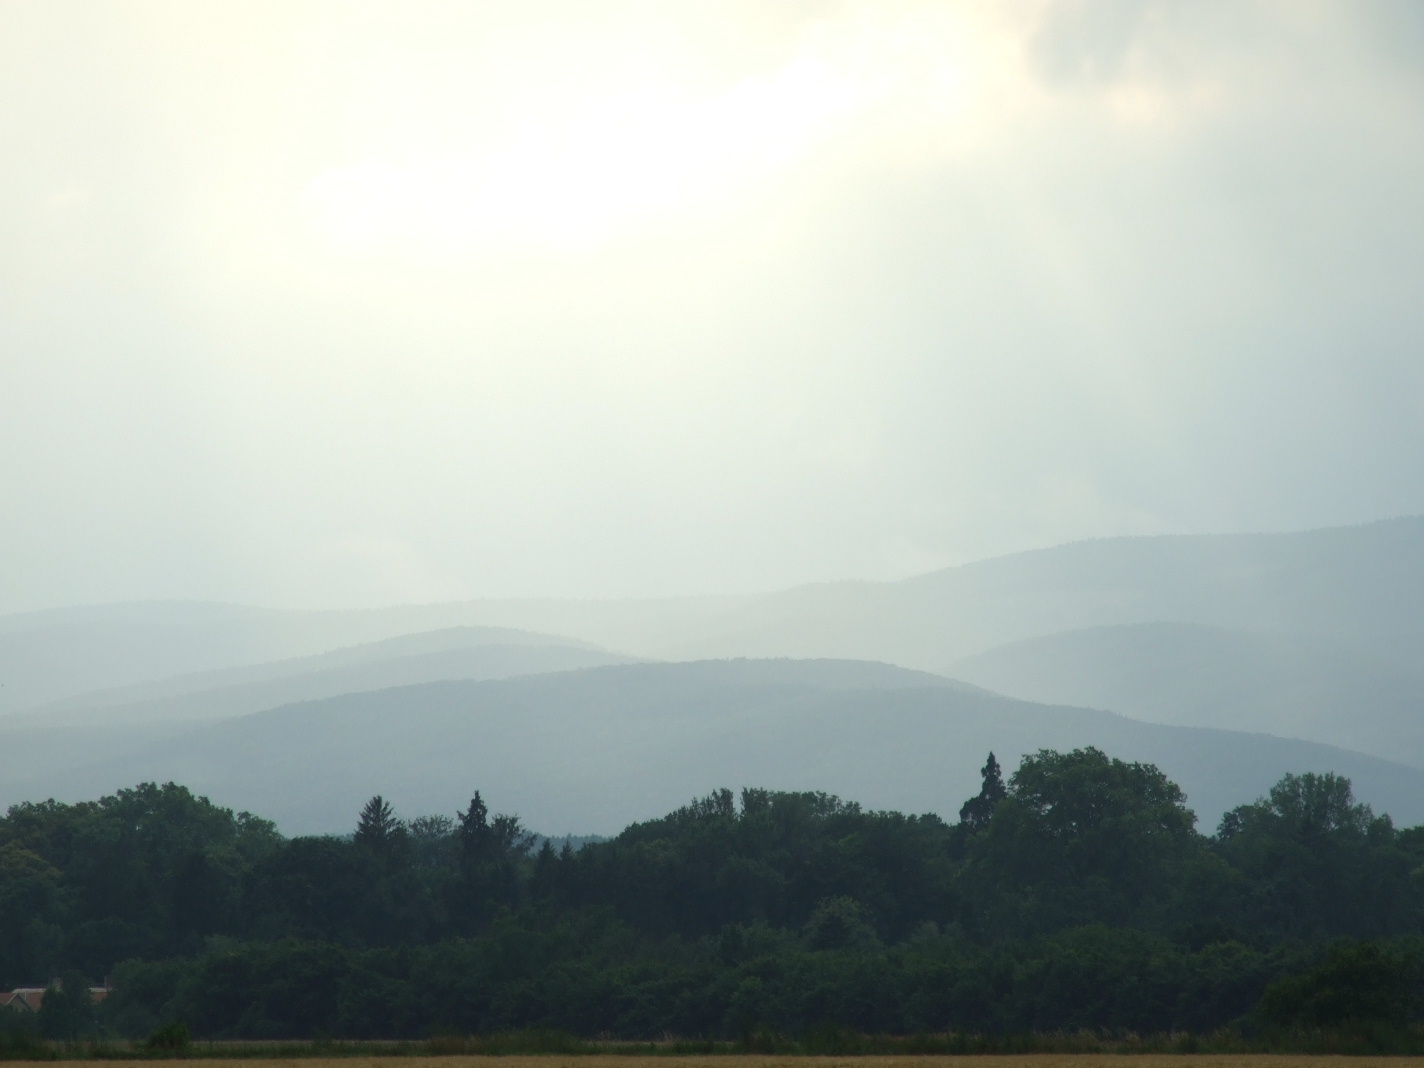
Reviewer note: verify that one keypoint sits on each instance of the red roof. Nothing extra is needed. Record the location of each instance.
(32, 997)
(27, 997)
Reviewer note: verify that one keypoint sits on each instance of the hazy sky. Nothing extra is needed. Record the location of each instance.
(341, 303)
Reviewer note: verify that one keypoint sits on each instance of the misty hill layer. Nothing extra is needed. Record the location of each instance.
(1326, 625)
(591, 750)
(1360, 584)
(107, 724)
(453, 653)
(1285, 684)
(127, 653)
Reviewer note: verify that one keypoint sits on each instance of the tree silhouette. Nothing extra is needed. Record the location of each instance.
(976, 813)
(378, 824)
(484, 839)
(473, 830)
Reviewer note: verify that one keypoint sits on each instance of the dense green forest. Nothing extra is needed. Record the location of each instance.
(1078, 894)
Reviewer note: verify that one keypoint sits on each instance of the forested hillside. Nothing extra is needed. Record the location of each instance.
(1077, 894)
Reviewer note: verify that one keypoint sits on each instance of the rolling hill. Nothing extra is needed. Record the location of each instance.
(74, 656)
(1310, 636)
(452, 653)
(90, 727)
(592, 749)
(1358, 585)
(1304, 686)
(1361, 586)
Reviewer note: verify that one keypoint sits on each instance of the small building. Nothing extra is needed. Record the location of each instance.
(30, 998)
(23, 998)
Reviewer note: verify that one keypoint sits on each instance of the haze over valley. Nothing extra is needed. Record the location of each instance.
(1227, 661)
(802, 526)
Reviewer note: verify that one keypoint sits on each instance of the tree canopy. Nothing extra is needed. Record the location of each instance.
(1079, 893)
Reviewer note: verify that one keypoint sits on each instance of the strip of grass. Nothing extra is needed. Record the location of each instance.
(765, 1049)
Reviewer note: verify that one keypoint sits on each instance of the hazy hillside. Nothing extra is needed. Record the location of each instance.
(1354, 592)
(1362, 584)
(453, 653)
(28, 751)
(591, 750)
(67, 654)
(1298, 685)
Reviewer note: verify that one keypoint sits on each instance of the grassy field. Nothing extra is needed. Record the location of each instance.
(1039, 1060)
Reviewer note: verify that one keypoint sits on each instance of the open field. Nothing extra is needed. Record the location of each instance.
(1044, 1060)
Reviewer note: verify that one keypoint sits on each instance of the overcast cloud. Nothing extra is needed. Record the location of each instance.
(336, 304)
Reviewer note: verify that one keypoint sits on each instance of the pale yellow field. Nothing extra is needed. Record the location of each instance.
(1037, 1060)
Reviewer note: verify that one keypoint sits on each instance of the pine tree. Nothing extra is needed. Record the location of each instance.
(378, 824)
(474, 830)
(976, 813)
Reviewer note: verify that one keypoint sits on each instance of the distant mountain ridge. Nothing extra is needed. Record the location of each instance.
(125, 654)
(1360, 584)
(1296, 685)
(1312, 635)
(91, 727)
(453, 653)
(595, 748)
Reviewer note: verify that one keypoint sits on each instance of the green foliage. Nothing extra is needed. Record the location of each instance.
(31, 899)
(1083, 838)
(975, 814)
(147, 870)
(20, 1037)
(840, 923)
(590, 974)
(170, 1038)
(1357, 985)
(67, 1013)
(1313, 863)
(1078, 895)
(377, 828)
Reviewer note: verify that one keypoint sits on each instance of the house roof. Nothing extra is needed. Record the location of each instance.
(25, 997)
(32, 997)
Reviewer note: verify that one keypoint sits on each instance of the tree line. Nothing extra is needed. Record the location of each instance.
(1078, 894)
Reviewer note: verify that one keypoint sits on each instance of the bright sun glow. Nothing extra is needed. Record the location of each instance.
(454, 162)
(612, 163)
